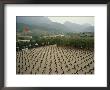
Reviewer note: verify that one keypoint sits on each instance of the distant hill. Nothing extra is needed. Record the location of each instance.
(43, 24)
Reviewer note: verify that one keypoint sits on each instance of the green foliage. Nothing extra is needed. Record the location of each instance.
(82, 43)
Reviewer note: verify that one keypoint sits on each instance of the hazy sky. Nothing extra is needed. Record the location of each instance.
(73, 19)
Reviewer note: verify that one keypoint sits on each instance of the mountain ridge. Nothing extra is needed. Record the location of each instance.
(44, 24)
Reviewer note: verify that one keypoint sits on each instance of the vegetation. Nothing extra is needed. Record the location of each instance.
(79, 42)
(55, 60)
(47, 47)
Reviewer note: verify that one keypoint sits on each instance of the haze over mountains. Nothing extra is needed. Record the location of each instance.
(44, 24)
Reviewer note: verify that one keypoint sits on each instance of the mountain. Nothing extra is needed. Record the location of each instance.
(41, 24)
(73, 27)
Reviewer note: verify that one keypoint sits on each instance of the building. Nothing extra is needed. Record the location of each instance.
(53, 36)
(24, 36)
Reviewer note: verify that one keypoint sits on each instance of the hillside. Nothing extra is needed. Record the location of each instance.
(44, 25)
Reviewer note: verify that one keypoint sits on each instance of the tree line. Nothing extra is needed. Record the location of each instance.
(82, 43)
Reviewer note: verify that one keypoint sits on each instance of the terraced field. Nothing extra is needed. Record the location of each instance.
(55, 60)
